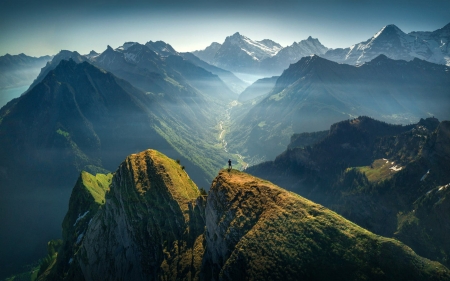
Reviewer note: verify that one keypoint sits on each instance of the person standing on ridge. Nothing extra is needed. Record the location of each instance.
(229, 164)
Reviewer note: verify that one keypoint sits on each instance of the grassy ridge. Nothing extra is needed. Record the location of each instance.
(280, 235)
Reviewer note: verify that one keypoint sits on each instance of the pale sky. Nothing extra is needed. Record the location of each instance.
(45, 27)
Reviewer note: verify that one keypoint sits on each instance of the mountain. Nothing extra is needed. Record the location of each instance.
(438, 41)
(192, 100)
(395, 44)
(291, 54)
(16, 73)
(149, 71)
(260, 88)
(208, 53)
(92, 54)
(239, 53)
(235, 84)
(161, 48)
(54, 62)
(314, 93)
(190, 96)
(155, 224)
(77, 118)
(390, 179)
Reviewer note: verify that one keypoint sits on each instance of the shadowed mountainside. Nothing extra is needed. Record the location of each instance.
(315, 93)
(389, 179)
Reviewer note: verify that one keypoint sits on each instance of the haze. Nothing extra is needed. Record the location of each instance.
(46, 27)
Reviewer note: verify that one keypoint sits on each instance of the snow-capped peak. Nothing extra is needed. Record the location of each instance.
(390, 29)
(258, 50)
(125, 46)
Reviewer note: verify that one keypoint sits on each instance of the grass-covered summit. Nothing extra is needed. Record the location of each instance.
(259, 231)
(155, 225)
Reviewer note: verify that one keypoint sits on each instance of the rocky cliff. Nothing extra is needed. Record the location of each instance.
(149, 228)
(155, 225)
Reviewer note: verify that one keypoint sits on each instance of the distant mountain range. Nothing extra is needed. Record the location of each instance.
(314, 93)
(395, 44)
(17, 72)
(240, 54)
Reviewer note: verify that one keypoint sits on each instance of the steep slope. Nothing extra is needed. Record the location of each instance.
(389, 179)
(235, 84)
(77, 116)
(152, 226)
(208, 53)
(87, 198)
(314, 93)
(258, 231)
(189, 98)
(16, 73)
(260, 88)
(204, 81)
(52, 64)
(438, 42)
(395, 44)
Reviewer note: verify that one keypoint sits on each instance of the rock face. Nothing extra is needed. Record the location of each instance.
(155, 225)
(150, 226)
(88, 197)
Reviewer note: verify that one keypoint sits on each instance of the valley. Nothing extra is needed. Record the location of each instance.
(341, 149)
(225, 124)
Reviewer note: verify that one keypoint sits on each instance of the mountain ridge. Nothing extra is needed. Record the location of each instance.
(315, 92)
(245, 228)
(390, 179)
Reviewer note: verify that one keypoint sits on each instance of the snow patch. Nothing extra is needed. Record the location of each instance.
(80, 238)
(425, 176)
(444, 187)
(130, 57)
(80, 217)
(395, 168)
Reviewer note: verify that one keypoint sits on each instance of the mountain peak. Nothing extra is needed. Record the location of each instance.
(126, 45)
(161, 48)
(155, 164)
(389, 30)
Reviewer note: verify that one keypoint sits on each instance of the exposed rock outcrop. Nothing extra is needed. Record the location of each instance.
(149, 228)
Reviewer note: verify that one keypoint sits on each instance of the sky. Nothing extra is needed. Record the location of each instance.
(45, 27)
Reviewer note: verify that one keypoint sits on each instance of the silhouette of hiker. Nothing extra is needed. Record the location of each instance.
(229, 164)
